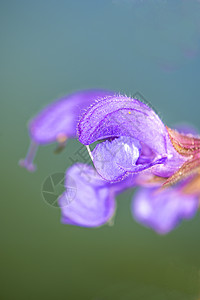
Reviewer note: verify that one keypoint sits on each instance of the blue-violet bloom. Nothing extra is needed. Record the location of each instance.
(135, 139)
(163, 210)
(57, 122)
(134, 148)
(93, 204)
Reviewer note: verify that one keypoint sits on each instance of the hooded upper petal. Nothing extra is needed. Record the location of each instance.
(117, 116)
(163, 211)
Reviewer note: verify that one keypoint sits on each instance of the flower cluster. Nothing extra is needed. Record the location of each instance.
(131, 148)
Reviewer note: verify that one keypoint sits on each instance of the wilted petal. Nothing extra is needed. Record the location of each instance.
(175, 160)
(57, 122)
(93, 203)
(163, 211)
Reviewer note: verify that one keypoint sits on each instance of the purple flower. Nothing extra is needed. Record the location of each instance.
(163, 210)
(94, 201)
(57, 122)
(134, 148)
(135, 139)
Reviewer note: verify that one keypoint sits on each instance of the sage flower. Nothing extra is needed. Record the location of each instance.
(57, 122)
(94, 201)
(134, 139)
(163, 210)
(133, 148)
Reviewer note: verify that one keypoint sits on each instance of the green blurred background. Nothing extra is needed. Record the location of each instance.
(49, 49)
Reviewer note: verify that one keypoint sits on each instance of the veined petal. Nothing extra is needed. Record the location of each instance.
(163, 211)
(117, 116)
(114, 159)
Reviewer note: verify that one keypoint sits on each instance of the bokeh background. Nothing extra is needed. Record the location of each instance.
(49, 49)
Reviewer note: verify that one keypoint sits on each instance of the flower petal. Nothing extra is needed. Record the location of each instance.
(57, 122)
(59, 119)
(163, 211)
(89, 201)
(114, 159)
(93, 203)
(117, 116)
